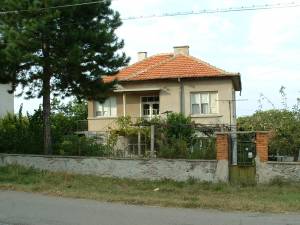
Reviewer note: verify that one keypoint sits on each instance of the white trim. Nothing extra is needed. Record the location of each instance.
(102, 118)
(141, 106)
(137, 89)
(205, 115)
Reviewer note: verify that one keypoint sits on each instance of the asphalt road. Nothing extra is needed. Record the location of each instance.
(18, 208)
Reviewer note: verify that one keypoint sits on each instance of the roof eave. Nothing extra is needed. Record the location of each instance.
(237, 83)
(235, 77)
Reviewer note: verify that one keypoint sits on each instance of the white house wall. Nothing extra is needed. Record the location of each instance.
(6, 100)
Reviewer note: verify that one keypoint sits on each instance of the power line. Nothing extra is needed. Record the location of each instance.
(221, 10)
(203, 11)
(52, 7)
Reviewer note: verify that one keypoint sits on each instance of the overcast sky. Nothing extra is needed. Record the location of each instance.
(263, 45)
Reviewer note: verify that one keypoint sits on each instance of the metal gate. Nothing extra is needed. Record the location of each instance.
(242, 158)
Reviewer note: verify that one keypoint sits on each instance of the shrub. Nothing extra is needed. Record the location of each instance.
(73, 145)
(204, 148)
(284, 126)
(173, 148)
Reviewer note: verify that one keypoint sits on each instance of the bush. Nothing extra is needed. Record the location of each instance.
(176, 138)
(284, 126)
(24, 134)
(173, 148)
(82, 146)
(204, 148)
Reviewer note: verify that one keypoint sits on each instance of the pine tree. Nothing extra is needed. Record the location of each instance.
(59, 51)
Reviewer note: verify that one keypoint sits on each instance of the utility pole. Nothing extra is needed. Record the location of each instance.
(233, 130)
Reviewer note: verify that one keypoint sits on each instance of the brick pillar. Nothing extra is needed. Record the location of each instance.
(222, 146)
(262, 143)
(222, 170)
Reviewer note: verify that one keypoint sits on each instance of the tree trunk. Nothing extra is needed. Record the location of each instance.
(46, 115)
(46, 98)
(296, 155)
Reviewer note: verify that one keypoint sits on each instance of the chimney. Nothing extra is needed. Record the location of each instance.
(181, 50)
(142, 56)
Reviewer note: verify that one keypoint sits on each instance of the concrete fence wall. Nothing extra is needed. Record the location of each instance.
(157, 169)
(153, 169)
(286, 171)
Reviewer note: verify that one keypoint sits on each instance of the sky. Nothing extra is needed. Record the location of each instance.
(263, 45)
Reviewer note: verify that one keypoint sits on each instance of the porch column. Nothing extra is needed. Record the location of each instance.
(124, 104)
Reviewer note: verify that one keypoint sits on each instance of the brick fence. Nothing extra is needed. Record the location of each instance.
(262, 141)
(222, 146)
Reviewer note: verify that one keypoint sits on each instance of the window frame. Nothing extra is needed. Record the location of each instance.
(110, 115)
(200, 103)
(151, 103)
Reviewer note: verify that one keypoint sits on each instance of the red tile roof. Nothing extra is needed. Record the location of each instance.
(166, 66)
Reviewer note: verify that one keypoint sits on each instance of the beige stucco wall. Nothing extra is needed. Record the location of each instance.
(6, 100)
(170, 101)
(224, 89)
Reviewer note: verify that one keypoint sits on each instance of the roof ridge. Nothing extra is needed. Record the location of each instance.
(152, 56)
(150, 67)
(206, 63)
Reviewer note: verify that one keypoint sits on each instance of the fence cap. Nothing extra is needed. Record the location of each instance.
(242, 132)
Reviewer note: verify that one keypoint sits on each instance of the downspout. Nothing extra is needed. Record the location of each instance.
(124, 104)
(181, 96)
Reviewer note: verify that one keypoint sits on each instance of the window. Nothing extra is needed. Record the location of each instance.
(204, 103)
(107, 108)
(150, 106)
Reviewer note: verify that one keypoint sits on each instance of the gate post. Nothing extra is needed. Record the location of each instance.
(262, 142)
(222, 171)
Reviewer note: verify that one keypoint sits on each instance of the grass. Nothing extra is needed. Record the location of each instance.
(276, 197)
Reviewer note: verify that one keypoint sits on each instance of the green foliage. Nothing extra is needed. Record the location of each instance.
(129, 129)
(277, 198)
(82, 48)
(24, 134)
(62, 51)
(284, 126)
(82, 146)
(179, 126)
(176, 138)
(76, 109)
(204, 148)
(173, 148)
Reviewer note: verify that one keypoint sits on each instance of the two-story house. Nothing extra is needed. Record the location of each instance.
(6, 100)
(172, 82)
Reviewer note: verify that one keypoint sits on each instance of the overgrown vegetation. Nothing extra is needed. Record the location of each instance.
(277, 197)
(284, 127)
(283, 124)
(24, 133)
(175, 136)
